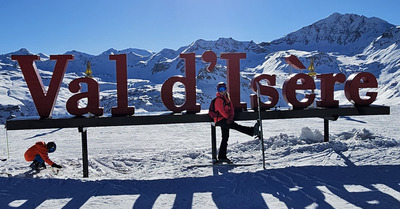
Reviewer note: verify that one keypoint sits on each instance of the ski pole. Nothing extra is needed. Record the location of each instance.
(260, 121)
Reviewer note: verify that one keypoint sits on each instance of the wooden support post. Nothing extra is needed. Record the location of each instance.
(85, 161)
(213, 142)
(326, 130)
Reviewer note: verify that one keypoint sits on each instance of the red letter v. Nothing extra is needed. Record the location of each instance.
(44, 102)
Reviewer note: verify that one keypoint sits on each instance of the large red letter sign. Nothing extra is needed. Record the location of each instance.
(189, 81)
(122, 87)
(211, 57)
(272, 93)
(92, 95)
(357, 81)
(233, 82)
(327, 89)
(44, 101)
(290, 86)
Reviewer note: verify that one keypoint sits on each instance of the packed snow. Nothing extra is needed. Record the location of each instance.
(143, 167)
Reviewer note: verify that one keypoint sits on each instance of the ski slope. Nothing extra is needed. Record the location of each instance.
(151, 167)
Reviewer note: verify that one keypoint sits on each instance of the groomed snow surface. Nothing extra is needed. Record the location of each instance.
(151, 167)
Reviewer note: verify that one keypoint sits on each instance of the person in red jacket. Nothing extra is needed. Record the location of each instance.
(225, 119)
(38, 153)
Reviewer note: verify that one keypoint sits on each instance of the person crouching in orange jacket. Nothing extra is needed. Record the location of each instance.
(38, 153)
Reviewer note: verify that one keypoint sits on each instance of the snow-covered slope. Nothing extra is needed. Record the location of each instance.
(133, 167)
(345, 43)
(346, 34)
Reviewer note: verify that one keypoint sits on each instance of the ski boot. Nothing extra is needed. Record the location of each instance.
(36, 166)
(224, 160)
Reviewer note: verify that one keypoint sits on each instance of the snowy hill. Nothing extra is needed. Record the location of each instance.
(344, 43)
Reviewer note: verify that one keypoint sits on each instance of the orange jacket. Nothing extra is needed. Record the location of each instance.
(39, 148)
(225, 108)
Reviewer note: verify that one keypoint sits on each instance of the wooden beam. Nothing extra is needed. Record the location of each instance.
(326, 130)
(213, 142)
(170, 118)
(85, 159)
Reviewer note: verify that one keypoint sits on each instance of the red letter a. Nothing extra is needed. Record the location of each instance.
(44, 101)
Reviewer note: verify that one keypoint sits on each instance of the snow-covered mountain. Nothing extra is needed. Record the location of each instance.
(346, 34)
(344, 43)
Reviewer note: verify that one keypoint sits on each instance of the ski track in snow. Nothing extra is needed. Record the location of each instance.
(149, 167)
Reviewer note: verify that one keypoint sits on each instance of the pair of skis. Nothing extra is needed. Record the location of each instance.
(43, 173)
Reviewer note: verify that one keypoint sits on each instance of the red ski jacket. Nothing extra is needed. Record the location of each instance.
(225, 108)
(39, 148)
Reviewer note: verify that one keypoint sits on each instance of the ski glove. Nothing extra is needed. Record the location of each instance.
(56, 166)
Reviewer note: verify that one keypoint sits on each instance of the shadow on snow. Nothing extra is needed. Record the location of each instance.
(297, 187)
(43, 134)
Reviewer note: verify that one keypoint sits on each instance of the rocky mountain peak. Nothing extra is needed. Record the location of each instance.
(349, 32)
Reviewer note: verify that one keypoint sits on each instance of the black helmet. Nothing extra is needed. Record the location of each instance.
(51, 147)
(221, 84)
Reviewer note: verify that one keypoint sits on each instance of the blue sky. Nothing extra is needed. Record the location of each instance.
(55, 27)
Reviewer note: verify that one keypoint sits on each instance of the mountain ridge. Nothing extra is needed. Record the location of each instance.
(342, 32)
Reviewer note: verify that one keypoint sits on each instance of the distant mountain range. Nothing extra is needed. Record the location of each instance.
(340, 43)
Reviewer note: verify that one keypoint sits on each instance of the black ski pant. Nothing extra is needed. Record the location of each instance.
(225, 134)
